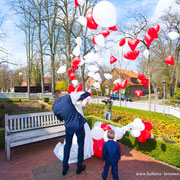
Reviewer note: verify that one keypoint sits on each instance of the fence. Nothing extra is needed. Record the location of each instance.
(145, 106)
(8, 95)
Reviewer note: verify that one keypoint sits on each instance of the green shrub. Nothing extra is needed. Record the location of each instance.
(177, 94)
(43, 106)
(45, 99)
(61, 85)
(2, 139)
(158, 148)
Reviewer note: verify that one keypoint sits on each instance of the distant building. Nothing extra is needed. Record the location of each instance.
(132, 80)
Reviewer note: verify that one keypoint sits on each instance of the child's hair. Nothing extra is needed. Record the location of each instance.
(111, 134)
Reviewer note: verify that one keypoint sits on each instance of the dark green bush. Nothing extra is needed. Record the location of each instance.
(2, 140)
(43, 106)
(45, 99)
(158, 148)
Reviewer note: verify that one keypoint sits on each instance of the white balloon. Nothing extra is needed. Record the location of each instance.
(117, 81)
(137, 120)
(135, 133)
(97, 77)
(173, 35)
(61, 70)
(118, 133)
(99, 39)
(105, 136)
(108, 76)
(78, 41)
(97, 133)
(93, 68)
(91, 74)
(96, 85)
(104, 14)
(97, 47)
(146, 53)
(91, 57)
(20, 73)
(82, 20)
(138, 126)
(82, 62)
(98, 124)
(76, 50)
(75, 82)
(81, 2)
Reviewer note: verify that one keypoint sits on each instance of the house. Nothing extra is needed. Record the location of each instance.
(132, 81)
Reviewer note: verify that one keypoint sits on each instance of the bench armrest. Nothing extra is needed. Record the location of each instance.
(7, 131)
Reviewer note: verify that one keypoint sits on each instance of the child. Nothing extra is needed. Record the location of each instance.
(107, 111)
(111, 155)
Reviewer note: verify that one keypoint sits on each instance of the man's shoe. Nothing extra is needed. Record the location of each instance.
(64, 172)
(78, 171)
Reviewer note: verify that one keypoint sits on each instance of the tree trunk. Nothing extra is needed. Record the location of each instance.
(149, 82)
(155, 90)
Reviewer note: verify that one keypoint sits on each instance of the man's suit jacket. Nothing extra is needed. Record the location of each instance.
(64, 109)
(111, 151)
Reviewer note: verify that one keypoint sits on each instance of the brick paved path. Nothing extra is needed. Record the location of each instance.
(31, 156)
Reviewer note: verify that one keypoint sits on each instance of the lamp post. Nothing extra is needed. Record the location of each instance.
(164, 85)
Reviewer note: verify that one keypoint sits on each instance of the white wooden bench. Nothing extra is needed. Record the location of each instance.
(29, 128)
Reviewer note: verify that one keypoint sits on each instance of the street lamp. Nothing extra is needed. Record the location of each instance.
(164, 85)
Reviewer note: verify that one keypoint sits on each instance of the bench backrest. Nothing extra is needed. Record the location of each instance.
(15, 123)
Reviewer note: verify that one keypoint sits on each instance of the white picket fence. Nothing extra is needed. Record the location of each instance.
(144, 106)
(12, 95)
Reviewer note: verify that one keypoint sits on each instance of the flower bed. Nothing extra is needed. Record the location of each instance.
(161, 128)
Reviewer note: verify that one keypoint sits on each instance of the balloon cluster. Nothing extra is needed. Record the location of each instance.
(121, 85)
(140, 130)
(99, 135)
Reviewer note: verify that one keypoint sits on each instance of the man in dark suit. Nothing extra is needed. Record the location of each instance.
(111, 155)
(64, 109)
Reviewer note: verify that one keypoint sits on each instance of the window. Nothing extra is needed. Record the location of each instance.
(134, 80)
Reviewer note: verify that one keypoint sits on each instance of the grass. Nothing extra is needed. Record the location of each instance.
(168, 118)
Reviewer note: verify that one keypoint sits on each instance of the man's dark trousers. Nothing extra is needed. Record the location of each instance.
(80, 133)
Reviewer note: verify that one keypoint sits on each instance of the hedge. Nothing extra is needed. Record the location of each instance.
(158, 148)
(45, 99)
(2, 136)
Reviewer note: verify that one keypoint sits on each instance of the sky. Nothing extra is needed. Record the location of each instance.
(14, 40)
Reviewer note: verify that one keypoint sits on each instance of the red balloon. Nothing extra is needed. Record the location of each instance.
(75, 67)
(148, 125)
(145, 134)
(123, 84)
(98, 147)
(76, 61)
(116, 87)
(145, 82)
(80, 88)
(90, 21)
(122, 42)
(141, 139)
(70, 70)
(72, 76)
(112, 59)
(141, 77)
(132, 55)
(105, 33)
(76, 3)
(133, 43)
(71, 89)
(152, 32)
(93, 40)
(105, 127)
(114, 28)
(157, 27)
(139, 93)
(169, 60)
(148, 39)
